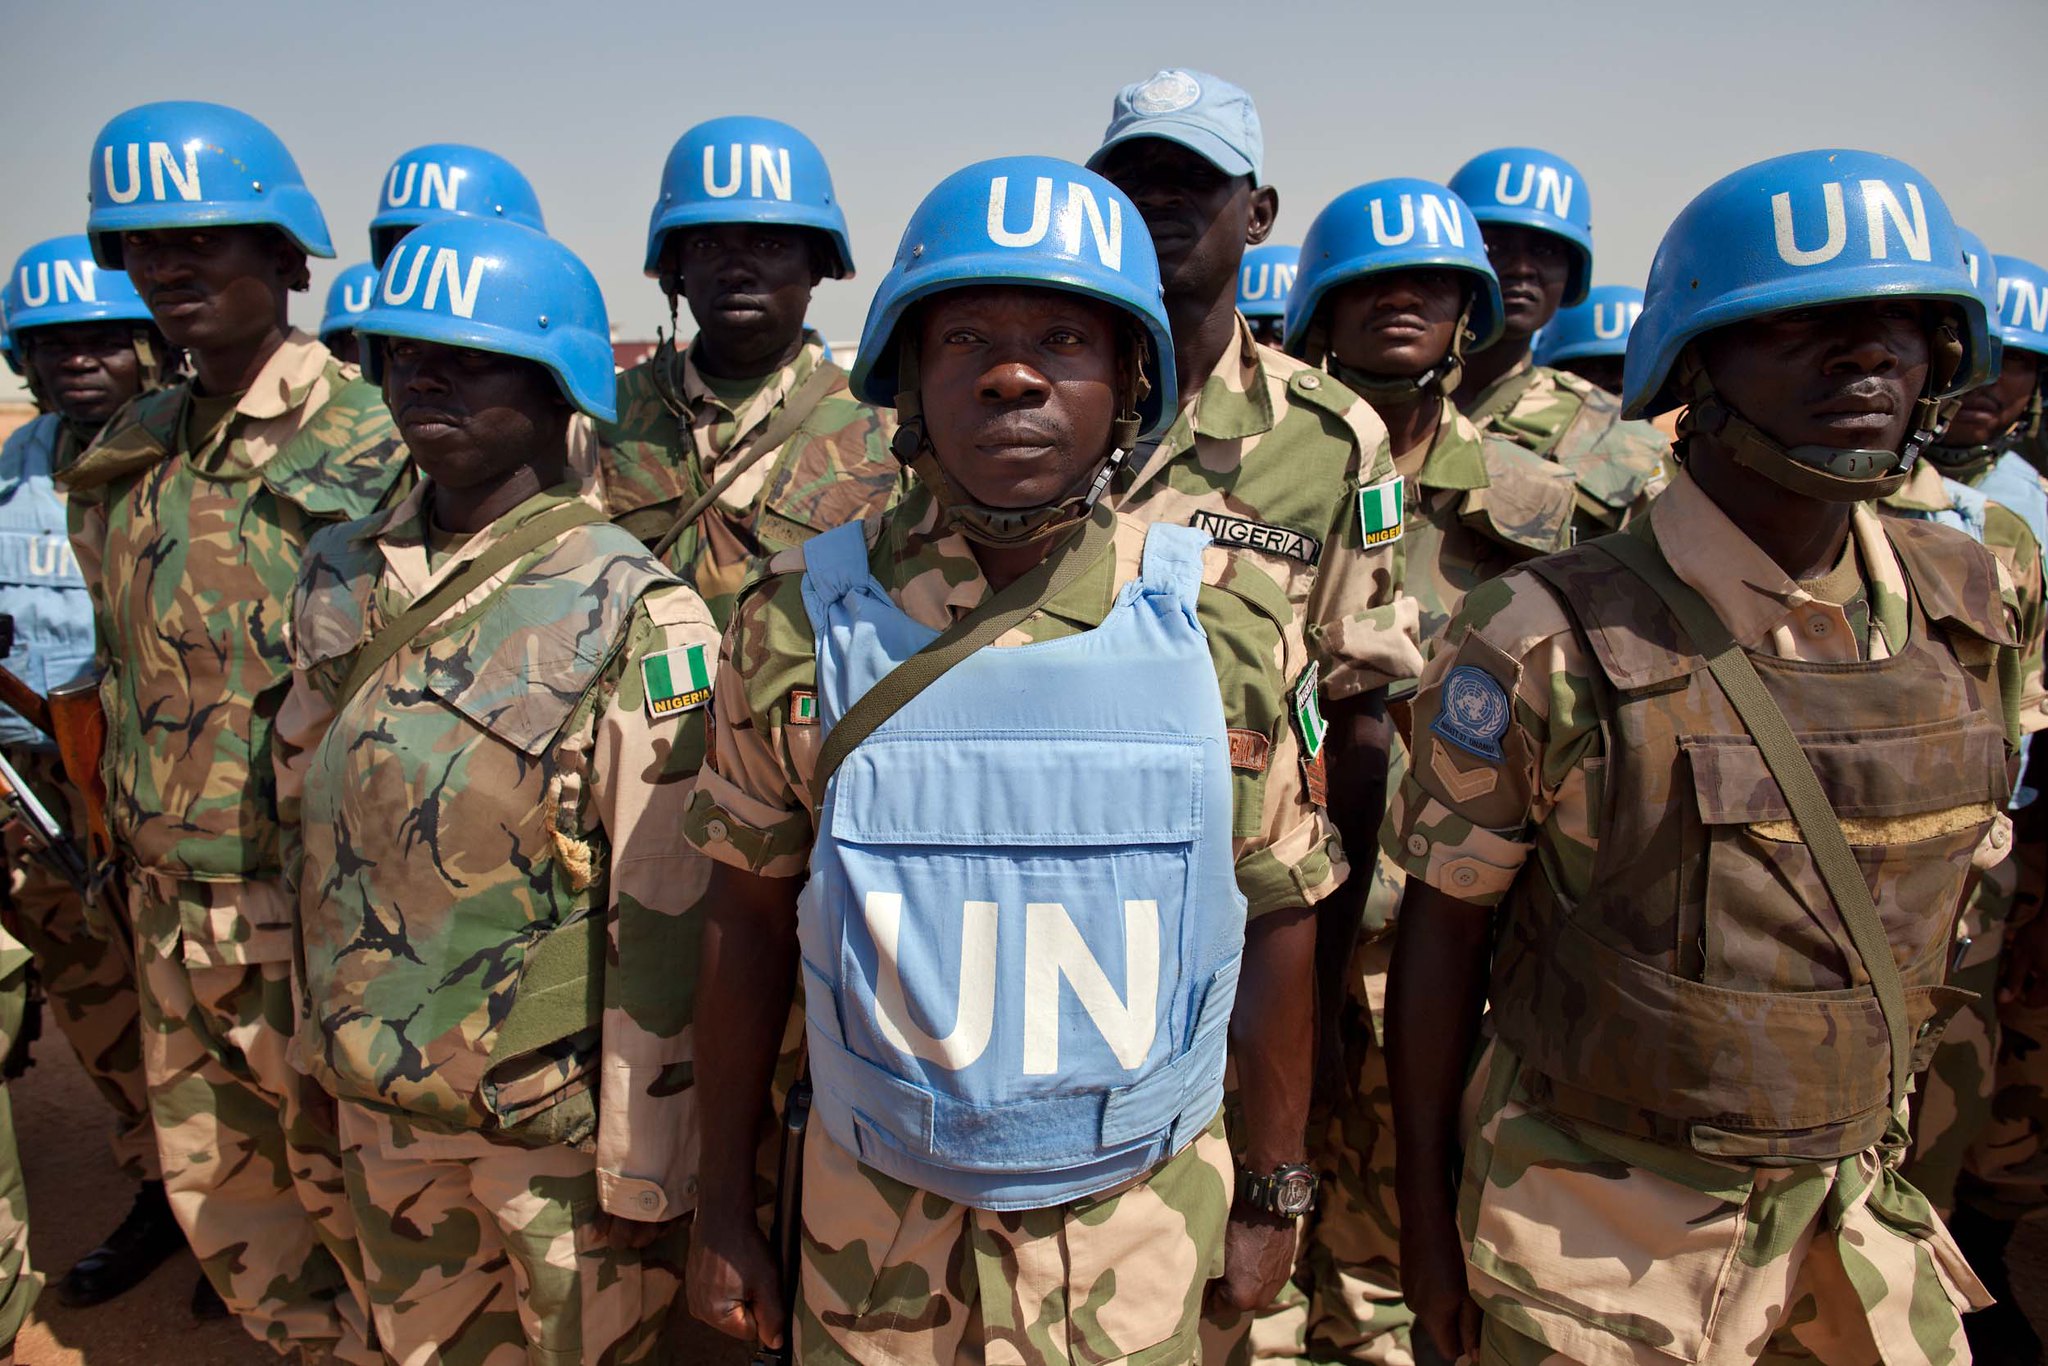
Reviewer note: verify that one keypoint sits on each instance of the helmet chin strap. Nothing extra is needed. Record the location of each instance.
(1437, 381)
(1006, 527)
(1824, 472)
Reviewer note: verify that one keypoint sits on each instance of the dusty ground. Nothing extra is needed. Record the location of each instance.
(75, 1197)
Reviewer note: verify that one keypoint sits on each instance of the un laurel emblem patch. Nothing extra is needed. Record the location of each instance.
(1169, 92)
(1473, 714)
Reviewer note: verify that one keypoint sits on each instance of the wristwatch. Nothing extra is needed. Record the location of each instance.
(1289, 1191)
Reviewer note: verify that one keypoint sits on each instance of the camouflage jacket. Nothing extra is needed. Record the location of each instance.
(495, 801)
(1620, 465)
(1270, 457)
(191, 555)
(674, 437)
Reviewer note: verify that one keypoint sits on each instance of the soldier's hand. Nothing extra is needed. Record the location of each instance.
(1433, 1281)
(632, 1235)
(1258, 1256)
(733, 1284)
(2023, 971)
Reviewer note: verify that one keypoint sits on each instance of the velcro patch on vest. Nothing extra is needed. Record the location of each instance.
(803, 707)
(1249, 750)
(1379, 511)
(1472, 712)
(677, 680)
(1245, 534)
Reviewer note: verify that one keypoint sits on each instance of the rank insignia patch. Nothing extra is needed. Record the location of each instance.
(1474, 712)
(677, 680)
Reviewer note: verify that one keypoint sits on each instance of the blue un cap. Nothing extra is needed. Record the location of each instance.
(1203, 113)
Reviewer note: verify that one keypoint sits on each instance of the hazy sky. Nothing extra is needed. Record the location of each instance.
(1652, 100)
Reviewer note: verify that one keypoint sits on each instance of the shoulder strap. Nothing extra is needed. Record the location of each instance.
(802, 401)
(980, 627)
(1172, 560)
(543, 530)
(836, 561)
(1504, 395)
(1818, 825)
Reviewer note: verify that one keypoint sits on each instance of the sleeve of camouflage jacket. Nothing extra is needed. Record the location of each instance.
(645, 768)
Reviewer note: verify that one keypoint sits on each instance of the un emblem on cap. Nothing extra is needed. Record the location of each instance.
(1474, 712)
(1169, 92)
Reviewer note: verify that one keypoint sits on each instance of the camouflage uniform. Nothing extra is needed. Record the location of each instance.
(495, 797)
(19, 1282)
(1626, 1239)
(1476, 507)
(191, 549)
(891, 1274)
(1620, 465)
(1953, 1096)
(674, 436)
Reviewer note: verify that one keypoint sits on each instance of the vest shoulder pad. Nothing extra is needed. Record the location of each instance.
(1630, 631)
(346, 460)
(1955, 578)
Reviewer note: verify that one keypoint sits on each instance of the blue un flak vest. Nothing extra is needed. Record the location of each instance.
(1022, 927)
(2012, 481)
(39, 580)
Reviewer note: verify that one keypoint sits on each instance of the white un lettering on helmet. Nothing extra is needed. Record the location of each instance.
(764, 169)
(1552, 189)
(1266, 280)
(1887, 210)
(2022, 303)
(450, 285)
(69, 282)
(1439, 222)
(166, 172)
(435, 183)
(1082, 217)
(1612, 321)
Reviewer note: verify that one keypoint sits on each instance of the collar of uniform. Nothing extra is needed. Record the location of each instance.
(286, 378)
(1924, 491)
(933, 576)
(1233, 403)
(1520, 368)
(1747, 589)
(401, 535)
(1454, 460)
(704, 401)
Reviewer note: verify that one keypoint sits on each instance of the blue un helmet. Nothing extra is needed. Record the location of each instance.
(1032, 221)
(1264, 280)
(1527, 187)
(748, 170)
(1804, 231)
(1594, 330)
(57, 282)
(449, 177)
(349, 295)
(2022, 292)
(186, 164)
(488, 285)
(1984, 274)
(1386, 226)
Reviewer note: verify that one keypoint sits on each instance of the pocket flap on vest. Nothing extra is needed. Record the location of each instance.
(1020, 789)
(1873, 776)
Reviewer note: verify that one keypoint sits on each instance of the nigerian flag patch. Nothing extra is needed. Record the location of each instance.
(677, 680)
(803, 707)
(1308, 712)
(1379, 511)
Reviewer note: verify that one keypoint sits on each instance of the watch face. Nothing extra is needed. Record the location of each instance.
(1295, 1192)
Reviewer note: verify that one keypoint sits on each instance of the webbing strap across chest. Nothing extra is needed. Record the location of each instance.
(794, 410)
(544, 529)
(1819, 827)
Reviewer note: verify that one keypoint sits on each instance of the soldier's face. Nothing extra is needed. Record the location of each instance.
(213, 288)
(1604, 371)
(87, 369)
(1399, 323)
(1019, 389)
(1201, 220)
(1991, 411)
(346, 348)
(472, 417)
(748, 285)
(1844, 376)
(1533, 267)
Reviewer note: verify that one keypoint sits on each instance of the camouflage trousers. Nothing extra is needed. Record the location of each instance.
(19, 1282)
(1584, 1245)
(88, 978)
(250, 1160)
(2005, 1176)
(480, 1252)
(894, 1275)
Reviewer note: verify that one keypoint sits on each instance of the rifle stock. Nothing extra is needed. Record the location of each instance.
(80, 728)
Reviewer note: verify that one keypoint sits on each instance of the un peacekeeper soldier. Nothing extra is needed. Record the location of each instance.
(449, 178)
(1394, 322)
(20, 1283)
(1978, 447)
(1016, 1152)
(346, 297)
(1264, 278)
(1537, 215)
(189, 516)
(490, 650)
(752, 409)
(1590, 338)
(1714, 965)
(83, 340)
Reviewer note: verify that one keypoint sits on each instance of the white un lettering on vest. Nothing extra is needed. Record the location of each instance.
(1888, 211)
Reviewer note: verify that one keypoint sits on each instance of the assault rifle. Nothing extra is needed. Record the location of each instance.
(52, 842)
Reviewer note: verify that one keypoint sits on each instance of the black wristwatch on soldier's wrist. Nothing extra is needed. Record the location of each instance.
(1288, 1191)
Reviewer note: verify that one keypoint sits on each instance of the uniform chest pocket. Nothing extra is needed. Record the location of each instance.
(524, 703)
(1914, 804)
